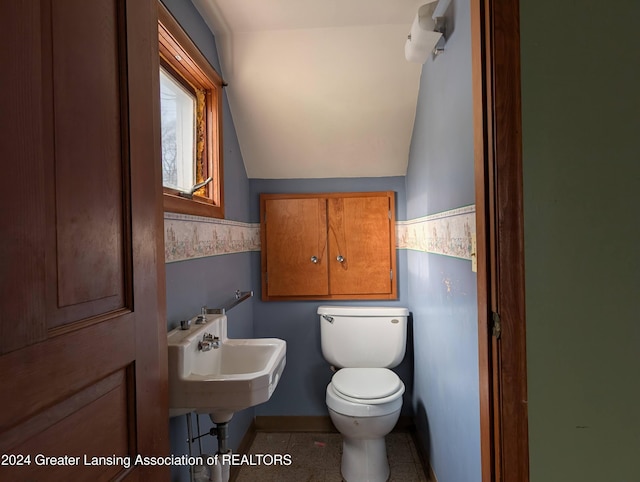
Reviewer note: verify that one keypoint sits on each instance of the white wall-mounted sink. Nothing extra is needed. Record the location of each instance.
(238, 374)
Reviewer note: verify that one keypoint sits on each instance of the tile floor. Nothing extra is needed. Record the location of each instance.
(316, 458)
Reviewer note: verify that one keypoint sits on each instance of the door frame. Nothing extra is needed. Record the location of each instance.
(500, 240)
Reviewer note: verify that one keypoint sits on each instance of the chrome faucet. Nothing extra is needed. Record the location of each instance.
(208, 342)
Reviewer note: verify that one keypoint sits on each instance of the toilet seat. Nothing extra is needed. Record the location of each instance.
(367, 385)
(347, 404)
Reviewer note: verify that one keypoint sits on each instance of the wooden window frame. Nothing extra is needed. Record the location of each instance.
(182, 59)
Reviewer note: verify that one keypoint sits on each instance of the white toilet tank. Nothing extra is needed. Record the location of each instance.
(363, 337)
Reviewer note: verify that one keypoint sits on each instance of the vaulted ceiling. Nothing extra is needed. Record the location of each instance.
(318, 88)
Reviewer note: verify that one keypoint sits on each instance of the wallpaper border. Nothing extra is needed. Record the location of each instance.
(191, 237)
(447, 233)
(186, 237)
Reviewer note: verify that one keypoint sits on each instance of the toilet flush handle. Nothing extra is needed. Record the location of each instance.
(328, 318)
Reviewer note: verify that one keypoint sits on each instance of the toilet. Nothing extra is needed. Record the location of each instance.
(364, 397)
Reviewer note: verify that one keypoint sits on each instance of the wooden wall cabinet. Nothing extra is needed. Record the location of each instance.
(328, 246)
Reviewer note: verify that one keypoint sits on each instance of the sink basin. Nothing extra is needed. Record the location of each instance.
(231, 375)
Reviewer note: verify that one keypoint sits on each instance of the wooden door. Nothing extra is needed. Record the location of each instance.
(295, 231)
(500, 241)
(361, 247)
(82, 330)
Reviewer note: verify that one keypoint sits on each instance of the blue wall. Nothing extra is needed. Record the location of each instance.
(213, 280)
(442, 290)
(302, 388)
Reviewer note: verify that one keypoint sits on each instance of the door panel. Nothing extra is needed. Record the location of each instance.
(46, 373)
(296, 231)
(96, 416)
(82, 329)
(89, 135)
(360, 235)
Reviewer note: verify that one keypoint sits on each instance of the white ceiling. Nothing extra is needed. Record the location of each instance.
(318, 88)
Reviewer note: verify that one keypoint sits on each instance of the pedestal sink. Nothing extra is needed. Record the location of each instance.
(210, 373)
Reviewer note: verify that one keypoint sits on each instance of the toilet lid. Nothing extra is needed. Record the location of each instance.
(366, 383)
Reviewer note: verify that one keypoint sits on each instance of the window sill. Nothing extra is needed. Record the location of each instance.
(195, 207)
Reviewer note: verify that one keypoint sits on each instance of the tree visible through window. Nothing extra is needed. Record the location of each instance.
(178, 124)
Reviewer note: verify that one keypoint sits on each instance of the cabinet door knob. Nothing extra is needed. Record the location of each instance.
(340, 259)
(314, 259)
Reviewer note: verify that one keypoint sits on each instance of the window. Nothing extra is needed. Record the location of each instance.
(178, 131)
(191, 124)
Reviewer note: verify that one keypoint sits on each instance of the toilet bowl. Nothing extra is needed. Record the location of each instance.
(364, 405)
(364, 397)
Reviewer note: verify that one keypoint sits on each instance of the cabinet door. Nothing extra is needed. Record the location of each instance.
(360, 245)
(295, 241)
